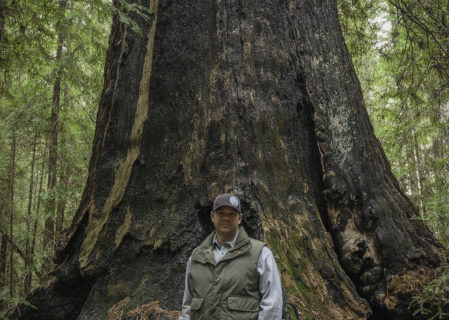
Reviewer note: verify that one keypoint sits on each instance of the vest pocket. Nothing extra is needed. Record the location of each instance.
(243, 304)
(196, 303)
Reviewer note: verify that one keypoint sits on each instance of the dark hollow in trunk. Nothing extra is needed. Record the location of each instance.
(258, 98)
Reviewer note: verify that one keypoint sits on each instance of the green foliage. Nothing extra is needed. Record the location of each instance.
(434, 300)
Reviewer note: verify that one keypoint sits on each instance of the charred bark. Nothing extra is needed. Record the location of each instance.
(253, 97)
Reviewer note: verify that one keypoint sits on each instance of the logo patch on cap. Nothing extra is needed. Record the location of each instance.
(234, 201)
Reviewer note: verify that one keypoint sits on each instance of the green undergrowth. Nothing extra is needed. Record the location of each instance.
(433, 301)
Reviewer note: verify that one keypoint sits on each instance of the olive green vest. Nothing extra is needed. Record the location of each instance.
(229, 289)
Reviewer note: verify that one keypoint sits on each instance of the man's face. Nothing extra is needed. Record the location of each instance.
(226, 220)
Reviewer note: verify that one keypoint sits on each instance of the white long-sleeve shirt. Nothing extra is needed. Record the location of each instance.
(270, 289)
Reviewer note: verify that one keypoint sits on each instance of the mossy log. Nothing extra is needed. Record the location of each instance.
(258, 98)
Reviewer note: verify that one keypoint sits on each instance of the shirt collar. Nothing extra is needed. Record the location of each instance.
(230, 243)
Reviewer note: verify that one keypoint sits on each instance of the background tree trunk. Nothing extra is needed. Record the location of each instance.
(421, 180)
(64, 182)
(3, 249)
(63, 177)
(35, 223)
(28, 257)
(12, 177)
(49, 231)
(3, 256)
(3, 8)
(258, 98)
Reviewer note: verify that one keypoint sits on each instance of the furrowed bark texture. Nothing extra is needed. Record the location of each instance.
(258, 98)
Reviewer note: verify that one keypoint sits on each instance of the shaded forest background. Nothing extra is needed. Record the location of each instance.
(52, 59)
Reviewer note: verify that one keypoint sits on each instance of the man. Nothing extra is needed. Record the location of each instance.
(230, 275)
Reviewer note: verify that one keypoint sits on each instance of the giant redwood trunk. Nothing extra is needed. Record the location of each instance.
(258, 98)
